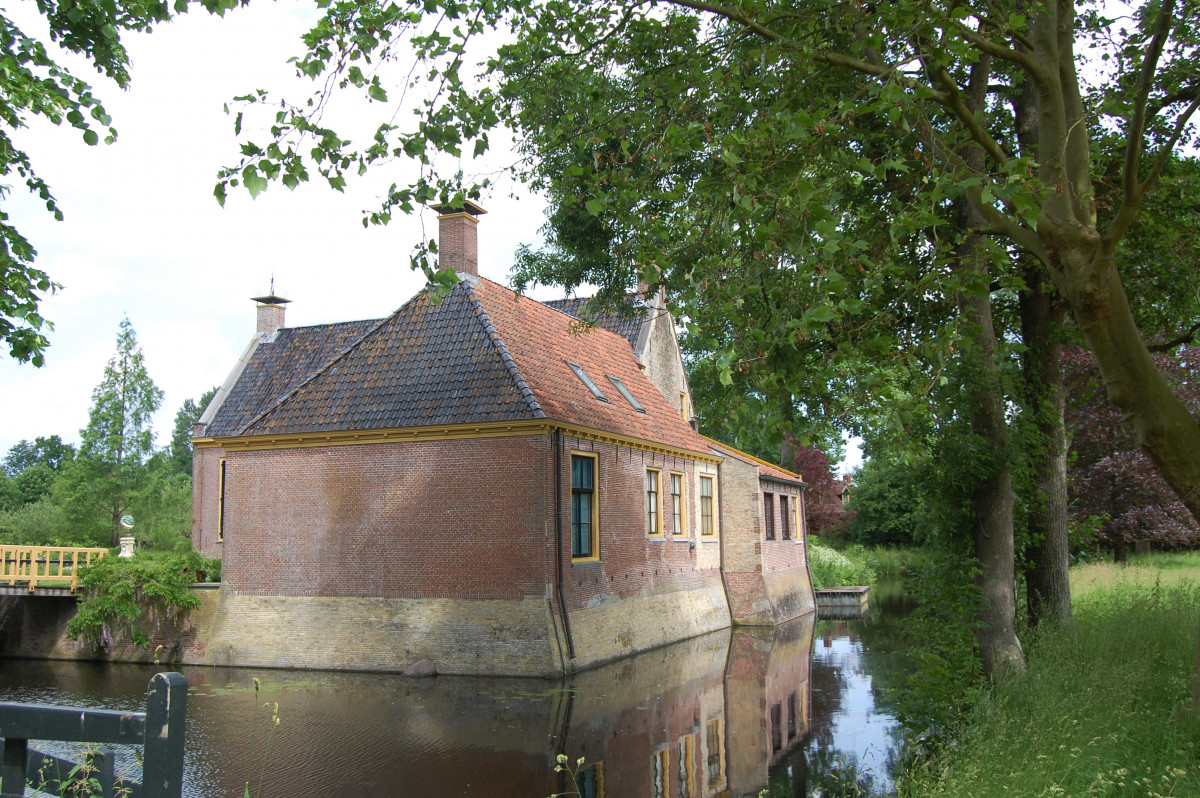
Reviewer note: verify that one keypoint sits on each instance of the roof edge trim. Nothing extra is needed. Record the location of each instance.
(739, 453)
(491, 429)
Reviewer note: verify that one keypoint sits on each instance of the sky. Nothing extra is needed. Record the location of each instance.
(143, 236)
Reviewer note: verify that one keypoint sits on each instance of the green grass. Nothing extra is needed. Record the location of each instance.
(1102, 710)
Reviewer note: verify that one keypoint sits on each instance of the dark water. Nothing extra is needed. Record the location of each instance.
(794, 709)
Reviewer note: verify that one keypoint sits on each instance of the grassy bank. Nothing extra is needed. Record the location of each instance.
(840, 566)
(1102, 708)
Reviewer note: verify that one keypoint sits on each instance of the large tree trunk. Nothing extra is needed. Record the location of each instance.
(1047, 560)
(992, 498)
(993, 505)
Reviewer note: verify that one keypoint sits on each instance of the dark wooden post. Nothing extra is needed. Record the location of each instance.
(13, 772)
(166, 713)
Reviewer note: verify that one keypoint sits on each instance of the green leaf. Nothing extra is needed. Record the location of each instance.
(91, 138)
(595, 206)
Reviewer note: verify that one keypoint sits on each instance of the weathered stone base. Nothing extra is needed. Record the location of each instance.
(770, 599)
(618, 628)
(491, 638)
(510, 638)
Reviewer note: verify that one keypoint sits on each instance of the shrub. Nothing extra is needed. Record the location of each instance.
(831, 568)
(120, 595)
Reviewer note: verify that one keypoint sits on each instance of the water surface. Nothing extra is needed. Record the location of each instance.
(796, 708)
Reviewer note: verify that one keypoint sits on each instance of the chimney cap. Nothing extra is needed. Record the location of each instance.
(270, 300)
(447, 208)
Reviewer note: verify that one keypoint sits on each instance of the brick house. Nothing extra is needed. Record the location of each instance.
(472, 480)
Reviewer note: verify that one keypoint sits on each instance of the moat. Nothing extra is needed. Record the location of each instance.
(798, 708)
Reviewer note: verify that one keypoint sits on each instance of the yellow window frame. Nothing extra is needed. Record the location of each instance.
(595, 519)
(714, 523)
(680, 533)
(221, 501)
(653, 515)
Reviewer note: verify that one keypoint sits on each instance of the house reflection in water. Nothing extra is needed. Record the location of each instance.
(702, 718)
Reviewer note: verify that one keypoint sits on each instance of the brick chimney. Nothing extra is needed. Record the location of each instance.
(458, 241)
(270, 312)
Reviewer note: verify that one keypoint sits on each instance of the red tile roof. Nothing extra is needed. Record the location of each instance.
(542, 340)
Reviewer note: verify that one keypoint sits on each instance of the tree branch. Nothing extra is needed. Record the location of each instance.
(1185, 337)
(1137, 125)
(1131, 201)
(733, 15)
(1000, 51)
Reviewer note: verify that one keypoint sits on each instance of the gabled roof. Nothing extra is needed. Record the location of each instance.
(765, 470)
(628, 327)
(481, 354)
(278, 366)
(542, 340)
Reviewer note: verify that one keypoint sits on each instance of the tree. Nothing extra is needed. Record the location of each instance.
(1112, 480)
(824, 512)
(35, 86)
(32, 468)
(727, 136)
(118, 437)
(181, 439)
(50, 451)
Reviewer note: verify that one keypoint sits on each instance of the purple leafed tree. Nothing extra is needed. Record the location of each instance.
(1112, 480)
(824, 511)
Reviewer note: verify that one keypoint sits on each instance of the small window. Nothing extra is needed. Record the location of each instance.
(583, 507)
(653, 493)
(708, 526)
(587, 381)
(683, 405)
(625, 392)
(785, 530)
(769, 514)
(221, 505)
(678, 529)
(589, 781)
(776, 727)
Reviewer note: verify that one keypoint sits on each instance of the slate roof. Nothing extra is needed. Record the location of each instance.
(482, 354)
(276, 368)
(765, 469)
(626, 327)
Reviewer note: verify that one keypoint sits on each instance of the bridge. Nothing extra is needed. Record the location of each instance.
(47, 570)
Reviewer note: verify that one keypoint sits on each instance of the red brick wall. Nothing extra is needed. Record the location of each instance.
(461, 519)
(630, 562)
(206, 500)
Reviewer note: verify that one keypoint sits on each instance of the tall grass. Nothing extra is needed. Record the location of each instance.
(1101, 709)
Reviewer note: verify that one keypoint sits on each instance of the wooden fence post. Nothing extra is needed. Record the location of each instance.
(166, 714)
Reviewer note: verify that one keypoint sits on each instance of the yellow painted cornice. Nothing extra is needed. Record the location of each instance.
(749, 456)
(495, 429)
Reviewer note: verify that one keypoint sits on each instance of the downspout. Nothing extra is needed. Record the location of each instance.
(558, 539)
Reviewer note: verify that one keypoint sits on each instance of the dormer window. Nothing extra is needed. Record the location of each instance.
(587, 381)
(625, 392)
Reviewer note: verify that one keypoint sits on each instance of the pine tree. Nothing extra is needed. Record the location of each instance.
(118, 436)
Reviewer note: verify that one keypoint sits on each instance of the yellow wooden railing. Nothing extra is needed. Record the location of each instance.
(53, 566)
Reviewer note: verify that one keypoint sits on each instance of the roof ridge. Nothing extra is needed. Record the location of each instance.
(509, 363)
(339, 356)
